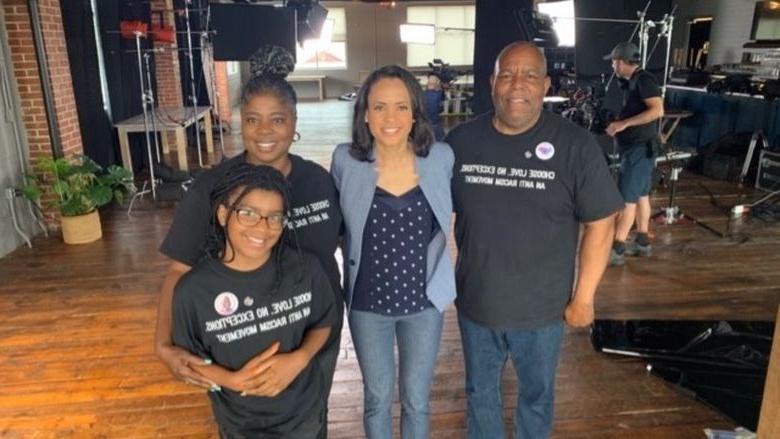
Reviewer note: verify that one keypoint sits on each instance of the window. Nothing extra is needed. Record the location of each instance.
(232, 68)
(562, 13)
(330, 50)
(454, 42)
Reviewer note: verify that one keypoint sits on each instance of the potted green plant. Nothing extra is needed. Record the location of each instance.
(80, 187)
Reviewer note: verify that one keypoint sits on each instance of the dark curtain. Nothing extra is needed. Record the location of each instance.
(122, 70)
(121, 65)
(495, 28)
(97, 134)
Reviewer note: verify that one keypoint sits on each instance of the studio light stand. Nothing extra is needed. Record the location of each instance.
(757, 137)
(150, 101)
(147, 97)
(12, 193)
(206, 43)
(672, 214)
(666, 26)
(644, 35)
(215, 91)
(641, 27)
(193, 90)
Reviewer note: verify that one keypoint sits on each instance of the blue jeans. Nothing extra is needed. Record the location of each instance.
(418, 338)
(534, 355)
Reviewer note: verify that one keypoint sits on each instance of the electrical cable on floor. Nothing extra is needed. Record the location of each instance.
(766, 197)
(765, 211)
(714, 199)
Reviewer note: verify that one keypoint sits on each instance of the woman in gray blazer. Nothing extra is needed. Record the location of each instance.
(394, 191)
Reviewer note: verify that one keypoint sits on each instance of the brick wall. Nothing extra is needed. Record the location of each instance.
(221, 79)
(25, 66)
(167, 73)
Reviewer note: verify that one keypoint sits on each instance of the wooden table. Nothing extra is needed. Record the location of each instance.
(670, 121)
(318, 79)
(167, 119)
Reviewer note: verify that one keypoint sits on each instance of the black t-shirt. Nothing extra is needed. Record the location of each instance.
(315, 215)
(231, 316)
(641, 86)
(518, 202)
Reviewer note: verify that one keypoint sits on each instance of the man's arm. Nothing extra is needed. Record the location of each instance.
(654, 111)
(594, 253)
(178, 361)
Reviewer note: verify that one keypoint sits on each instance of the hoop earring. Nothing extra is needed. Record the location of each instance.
(296, 136)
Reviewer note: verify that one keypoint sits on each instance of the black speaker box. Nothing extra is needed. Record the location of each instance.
(769, 171)
(723, 159)
(692, 78)
(722, 167)
(241, 29)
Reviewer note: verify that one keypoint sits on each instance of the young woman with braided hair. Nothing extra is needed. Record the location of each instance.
(268, 119)
(258, 311)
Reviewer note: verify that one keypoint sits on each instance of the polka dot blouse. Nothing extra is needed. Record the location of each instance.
(391, 280)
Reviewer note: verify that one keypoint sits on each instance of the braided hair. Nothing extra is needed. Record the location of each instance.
(268, 67)
(237, 182)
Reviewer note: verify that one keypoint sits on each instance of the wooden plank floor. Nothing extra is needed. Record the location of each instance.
(76, 334)
(695, 275)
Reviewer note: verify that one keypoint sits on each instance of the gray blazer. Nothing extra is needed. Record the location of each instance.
(356, 183)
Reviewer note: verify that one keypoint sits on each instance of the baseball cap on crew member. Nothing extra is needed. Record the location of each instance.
(625, 51)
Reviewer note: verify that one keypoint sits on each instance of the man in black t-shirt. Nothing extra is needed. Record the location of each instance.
(524, 181)
(636, 132)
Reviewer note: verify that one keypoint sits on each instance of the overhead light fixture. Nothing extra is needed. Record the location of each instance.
(324, 40)
(310, 15)
(418, 33)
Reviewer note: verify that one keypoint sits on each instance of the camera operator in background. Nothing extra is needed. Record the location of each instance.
(439, 87)
(433, 97)
(636, 132)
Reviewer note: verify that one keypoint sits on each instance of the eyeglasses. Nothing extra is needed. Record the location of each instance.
(250, 218)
